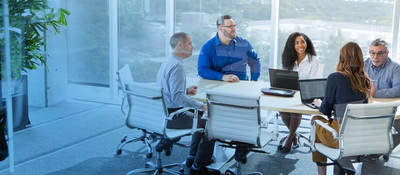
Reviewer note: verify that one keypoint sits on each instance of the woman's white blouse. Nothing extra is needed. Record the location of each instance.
(309, 68)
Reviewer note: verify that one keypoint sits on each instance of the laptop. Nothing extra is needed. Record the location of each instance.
(284, 79)
(283, 83)
(311, 89)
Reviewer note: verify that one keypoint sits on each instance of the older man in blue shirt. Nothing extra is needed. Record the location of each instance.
(226, 56)
(384, 73)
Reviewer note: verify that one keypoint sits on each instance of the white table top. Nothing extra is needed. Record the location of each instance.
(267, 102)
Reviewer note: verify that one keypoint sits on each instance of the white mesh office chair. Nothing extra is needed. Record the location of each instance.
(124, 77)
(365, 130)
(234, 119)
(148, 112)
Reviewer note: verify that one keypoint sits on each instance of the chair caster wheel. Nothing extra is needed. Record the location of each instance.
(385, 157)
(181, 171)
(119, 152)
(149, 155)
(147, 165)
(229, 172)
(123, 139)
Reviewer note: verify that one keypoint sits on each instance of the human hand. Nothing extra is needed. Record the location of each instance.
(203, 107)
(317, 102)
(230, 78)
(192, 90)
(373, 89)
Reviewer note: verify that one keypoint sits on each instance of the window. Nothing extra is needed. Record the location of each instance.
(198, 18)
(142, 37)
(88, 43)
(330, 24)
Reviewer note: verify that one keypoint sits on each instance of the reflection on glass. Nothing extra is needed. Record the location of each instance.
(88, 42)
(142, 36)
(198, 18)
(330, 24)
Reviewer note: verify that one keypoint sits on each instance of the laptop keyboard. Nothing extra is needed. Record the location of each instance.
(311, 105)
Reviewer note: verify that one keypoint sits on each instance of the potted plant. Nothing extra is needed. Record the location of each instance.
(29, 22)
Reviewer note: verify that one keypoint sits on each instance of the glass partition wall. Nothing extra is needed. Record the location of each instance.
(140, 39)
(330, 24)
(198, 18)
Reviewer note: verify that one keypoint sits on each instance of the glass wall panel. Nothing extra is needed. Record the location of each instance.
(88, 42)
(141, 37)
(198, 18)
(330, 24)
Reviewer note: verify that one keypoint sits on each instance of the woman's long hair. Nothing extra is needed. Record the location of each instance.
(289, 55)
(351, 65)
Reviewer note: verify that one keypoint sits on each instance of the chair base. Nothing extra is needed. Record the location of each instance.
(158, 168)
(145, 138)
(306, 143)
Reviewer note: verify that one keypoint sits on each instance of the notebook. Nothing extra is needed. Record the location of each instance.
(283, 83)
(311, 89)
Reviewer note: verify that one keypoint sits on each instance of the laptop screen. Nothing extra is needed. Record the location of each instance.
(311, 89)
(286, 79)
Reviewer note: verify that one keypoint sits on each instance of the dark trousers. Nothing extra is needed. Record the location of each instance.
(201, 148)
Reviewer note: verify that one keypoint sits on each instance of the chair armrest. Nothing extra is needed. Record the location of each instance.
(327, 127)
(205, 115)
(313, 132)
(170, 116)
(124, 101)
(195, 116)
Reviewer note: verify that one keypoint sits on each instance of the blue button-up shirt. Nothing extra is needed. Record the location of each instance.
(217, 59)
(386, 78)
(172, 79)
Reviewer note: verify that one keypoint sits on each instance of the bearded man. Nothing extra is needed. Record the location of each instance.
(226, 56)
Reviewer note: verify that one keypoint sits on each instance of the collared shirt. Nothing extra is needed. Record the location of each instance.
(386, 78)
(217, 59)
(308, 68)
(172, 79)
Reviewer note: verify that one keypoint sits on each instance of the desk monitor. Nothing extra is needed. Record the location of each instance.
(285, 79)
(311, 89)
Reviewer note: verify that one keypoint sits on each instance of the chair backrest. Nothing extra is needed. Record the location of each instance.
(232, 117)
(147, 109)
(340, 109)
(366, 129)
(125, 76)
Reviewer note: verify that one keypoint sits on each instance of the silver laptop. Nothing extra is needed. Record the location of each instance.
(311, 89)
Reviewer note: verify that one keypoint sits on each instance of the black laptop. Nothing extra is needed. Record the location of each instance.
(283, 83)
(311, 89)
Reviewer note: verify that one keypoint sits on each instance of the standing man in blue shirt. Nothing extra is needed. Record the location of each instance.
(383, 72)
(226, 56)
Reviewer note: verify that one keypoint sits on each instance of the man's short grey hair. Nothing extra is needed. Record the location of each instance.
(379, 42)
(175, 38)
(221, 19)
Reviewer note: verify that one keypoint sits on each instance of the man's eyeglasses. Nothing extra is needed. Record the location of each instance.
(232, 26)
(380, 53)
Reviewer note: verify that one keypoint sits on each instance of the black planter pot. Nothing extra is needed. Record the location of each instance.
(19, 103)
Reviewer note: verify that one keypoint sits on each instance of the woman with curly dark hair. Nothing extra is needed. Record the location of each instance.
(298, 55)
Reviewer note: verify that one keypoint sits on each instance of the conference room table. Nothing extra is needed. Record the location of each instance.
(267, 102)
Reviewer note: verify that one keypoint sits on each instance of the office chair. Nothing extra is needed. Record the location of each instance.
(365, 130)
(234, 120)
(148, 113)
(124, 77)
